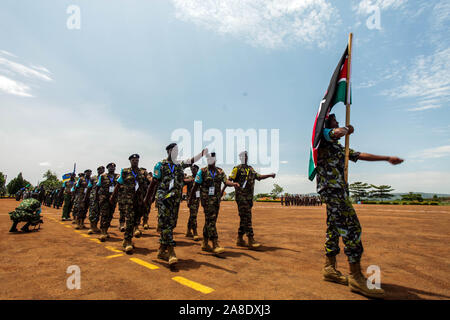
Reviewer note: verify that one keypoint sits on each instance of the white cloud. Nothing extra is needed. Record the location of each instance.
(17, 78)
(433, 153)
(427, 81)
(419, 181)
(270, 24)
(14, 87)
(366, 6)
(35, 137)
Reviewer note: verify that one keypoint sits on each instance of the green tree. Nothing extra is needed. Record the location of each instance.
(381, 192)
(2, 184)
(16, 184)
(51, 181)
(359, 190)
(261, 195)
(276, 191)
(412, 197)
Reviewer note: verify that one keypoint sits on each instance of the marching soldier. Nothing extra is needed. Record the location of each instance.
(94, 207)
(245, 176)
(193, 208)
(81, 204)
(66, 190)
(210, 180)
(341, 217)
(132, 181)
(105, 188)
(167, 189)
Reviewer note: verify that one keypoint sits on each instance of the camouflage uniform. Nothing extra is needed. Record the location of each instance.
(341, 217)
(210, 203)
(105, 185)
(121, 202)
(80, 206)
(147, 207)
(68, 185)
(245, 175)
(94, 207)
(193, 208)
(133, 200)
(168, 199)
(28, 211)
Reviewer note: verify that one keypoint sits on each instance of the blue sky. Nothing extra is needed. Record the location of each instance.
(136, 71)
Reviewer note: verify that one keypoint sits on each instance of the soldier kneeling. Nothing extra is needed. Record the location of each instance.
(29, 211)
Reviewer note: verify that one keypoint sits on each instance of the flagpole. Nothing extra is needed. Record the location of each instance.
(347, 113)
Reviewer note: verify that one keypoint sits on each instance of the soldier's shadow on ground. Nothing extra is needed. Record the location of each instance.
(150, 235)
(233, 254)
(187, 243)
(397, 292)
(189, 264)
(264, 248)
(143, 251)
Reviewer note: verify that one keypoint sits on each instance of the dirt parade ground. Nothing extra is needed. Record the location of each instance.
(410, 244)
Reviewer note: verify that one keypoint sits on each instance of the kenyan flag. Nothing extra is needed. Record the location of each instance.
(337, 91)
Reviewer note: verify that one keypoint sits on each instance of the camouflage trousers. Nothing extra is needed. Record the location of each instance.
(67, 206)
(245, 215)
(106, 211)
(80, 207)
(193, 212)
(211, 214)
(94, 210)
(167, 220)
(342, 221)
(146, 214)
(133, 214)
(121, 212)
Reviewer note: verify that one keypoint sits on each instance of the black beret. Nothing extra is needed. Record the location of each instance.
(135, 155)
(101, 167)
(170, 146)
(111, 164)
(87, 170)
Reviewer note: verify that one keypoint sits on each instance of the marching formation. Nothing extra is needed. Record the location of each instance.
(300, 200)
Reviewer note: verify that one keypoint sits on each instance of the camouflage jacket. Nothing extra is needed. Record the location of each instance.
(93, 185)
(82, 186)
(105, 181)
(129, 180)
(165, 172)
(207, 179)
(240, 174)
(28, 210)
(331, 165)
(68, 185)
(189, 185)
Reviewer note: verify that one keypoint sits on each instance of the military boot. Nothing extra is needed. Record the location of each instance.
(128, 246)
(25, 227)
(330, 273)
(216, 247)
(104, 235)
(14, 227)
(74, 221)
(121, 226)
(137, 232)
(82, 226)
(78, 224)
(358, 283)
(252, 243)
(205, 246)
(162, 252)
(240, 241)
(145, 223)
(189, 233)
(195, 235)
(93, 228)
(172, 257)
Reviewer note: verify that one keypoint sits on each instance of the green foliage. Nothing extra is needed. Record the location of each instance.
(51, 181)
(412, 197)
(276, 191)
(359, 190)
(381, 192)
(16, 184)
(2, 184)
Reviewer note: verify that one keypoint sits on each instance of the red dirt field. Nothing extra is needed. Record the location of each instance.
(409, 243)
